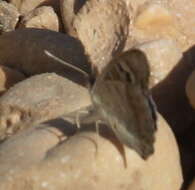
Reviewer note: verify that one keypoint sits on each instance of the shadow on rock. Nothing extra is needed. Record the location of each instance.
(173, 104)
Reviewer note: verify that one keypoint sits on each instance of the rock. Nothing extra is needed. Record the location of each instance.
(25, 6)
(43, 17)
(184, 16)
(38, 99)
(31, 146)
(28, 53)
(9, 17)
(8, 77)
(163, 55)
(152, 15)
(84, 162)
(69, 9)
(162, 19)
(134, 5)
(190, 89)
(154, 20)
(102, 27)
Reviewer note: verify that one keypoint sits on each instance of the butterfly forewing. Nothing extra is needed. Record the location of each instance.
(121, 97)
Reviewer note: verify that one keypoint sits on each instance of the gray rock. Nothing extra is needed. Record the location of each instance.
(38, 99)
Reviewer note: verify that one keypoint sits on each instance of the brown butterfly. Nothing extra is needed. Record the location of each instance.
(121, 98)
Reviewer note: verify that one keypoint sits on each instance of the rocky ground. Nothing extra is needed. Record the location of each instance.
(41, 148)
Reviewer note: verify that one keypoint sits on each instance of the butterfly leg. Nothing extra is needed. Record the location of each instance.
(97, 125)
(78, 119)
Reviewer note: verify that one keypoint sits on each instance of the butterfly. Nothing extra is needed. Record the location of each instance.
(121, 97)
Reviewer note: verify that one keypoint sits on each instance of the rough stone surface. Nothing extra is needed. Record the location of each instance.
(25, 6)
(184, 16)
(9, 16)
(84, 161)
(163, 55)
(154, 20)
(43, 18)
(134, 5)
(37, 99)
(8, 77)
(31, 146)
(102, 27)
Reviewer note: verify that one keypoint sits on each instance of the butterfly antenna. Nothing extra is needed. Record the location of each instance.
(65, 63)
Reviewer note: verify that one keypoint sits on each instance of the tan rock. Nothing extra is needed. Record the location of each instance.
(43, 17)
(164, 18)
(135, 4)
(163, 55)
(69, 9)
(153, 15)
(24, 6)
(133, 7)
(8, 77)
(86, 161)
(28, 53)
(31, 146)
(37, 99)
(190, 89)
(184, 16)
(102, 27)
(9, 16)
(154, 20)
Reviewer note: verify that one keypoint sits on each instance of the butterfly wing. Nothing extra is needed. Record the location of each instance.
(122, 99)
